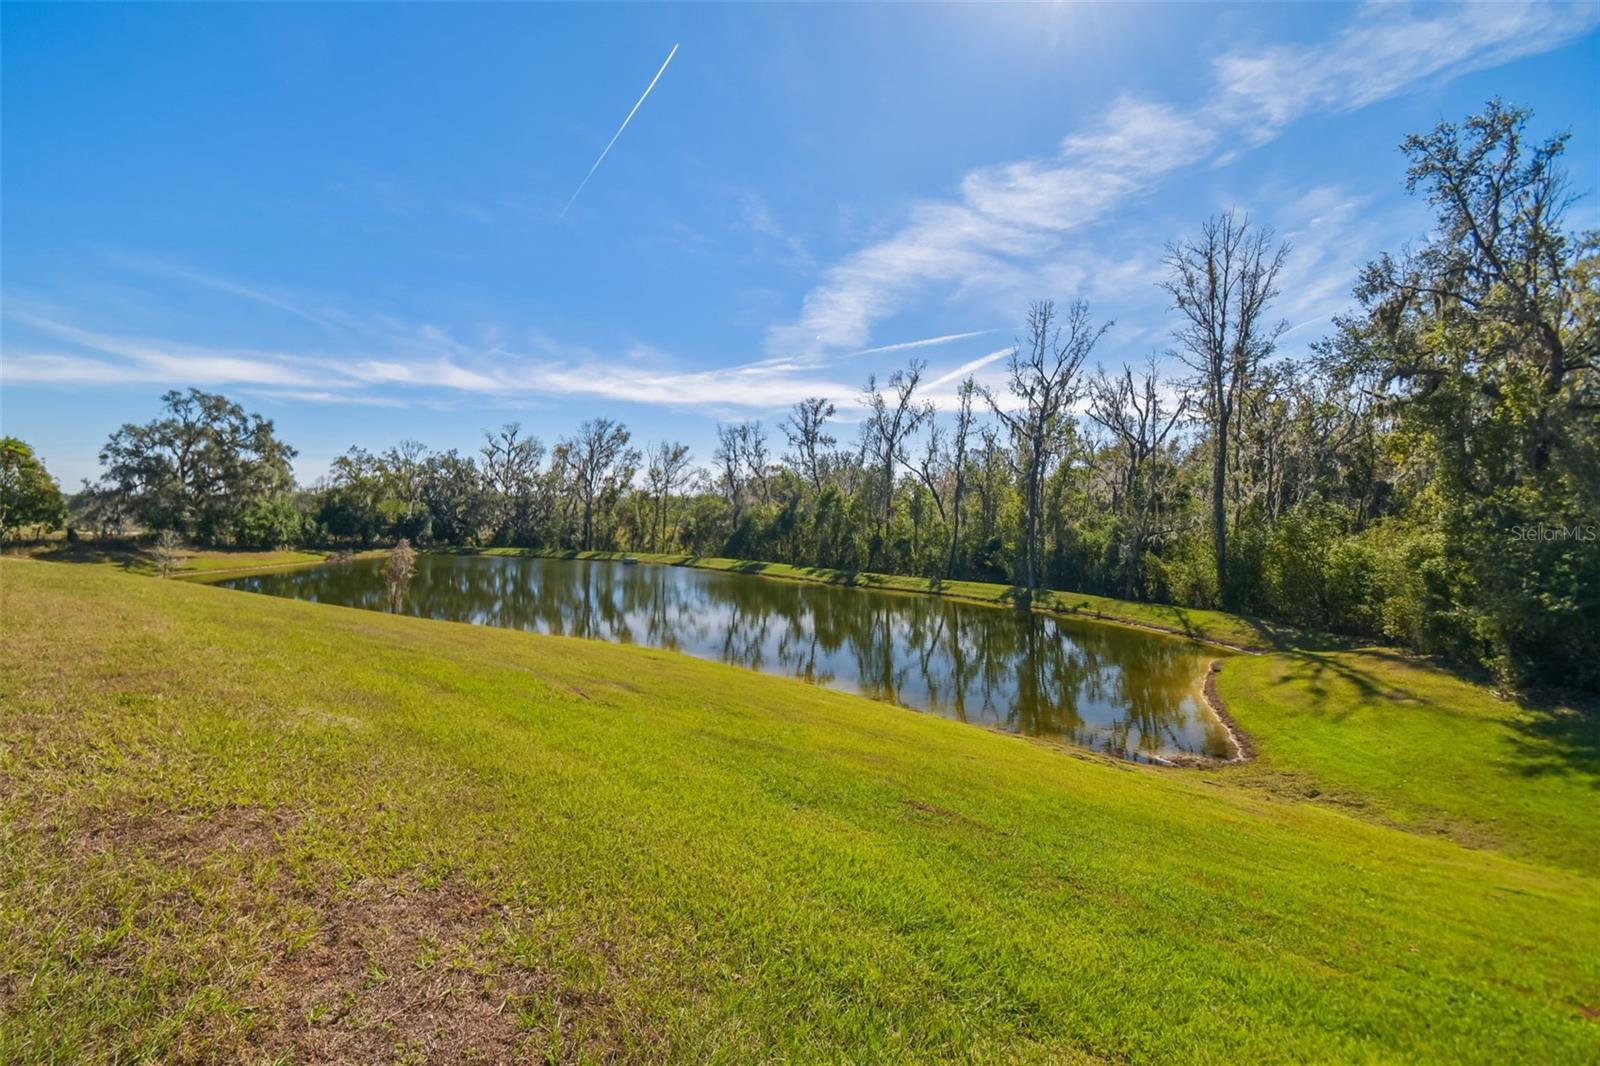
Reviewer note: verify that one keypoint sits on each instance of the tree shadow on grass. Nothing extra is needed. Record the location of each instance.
(1555, 733)
(1022, 599)
(127, 554)
(1317, 665)
(1558, 736)
(1270, 635)
(847, 578)
(1278, 636)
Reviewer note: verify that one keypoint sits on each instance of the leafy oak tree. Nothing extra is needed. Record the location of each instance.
(197, 468)
(1483, 344)
(29, 496)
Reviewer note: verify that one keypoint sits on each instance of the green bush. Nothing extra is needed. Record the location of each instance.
(272, 523)
(1294, 565)
(1186, 574)
(1352, 592)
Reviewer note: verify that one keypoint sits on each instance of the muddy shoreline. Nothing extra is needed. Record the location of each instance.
(1244, 747)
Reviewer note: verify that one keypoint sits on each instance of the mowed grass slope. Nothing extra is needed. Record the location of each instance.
(240, 827)
(1371, 729)
(1394, 739)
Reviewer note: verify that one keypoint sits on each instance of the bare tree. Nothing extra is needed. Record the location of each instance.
(806, 436)
(600, 463)
(891, 422)
(932, 468)
(756, 460)
(729, 461)
(511, 465)
(942, 468)
(167, 552)
(397, 571)
(991, 469)
(1044, 382)
(1222, 283)
(1134, 413)
(958, 464)
(742, 464)
(668, 472)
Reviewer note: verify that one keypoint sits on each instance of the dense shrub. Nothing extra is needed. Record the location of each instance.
(272, 523)
(1185, 574)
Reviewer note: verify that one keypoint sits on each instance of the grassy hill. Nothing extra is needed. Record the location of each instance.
(240, 827)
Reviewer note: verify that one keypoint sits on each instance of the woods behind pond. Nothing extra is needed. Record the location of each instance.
(239, 827)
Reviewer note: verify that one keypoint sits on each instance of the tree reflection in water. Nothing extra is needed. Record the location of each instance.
(1100, 686)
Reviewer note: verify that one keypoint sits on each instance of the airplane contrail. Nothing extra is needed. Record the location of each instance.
(620, 128)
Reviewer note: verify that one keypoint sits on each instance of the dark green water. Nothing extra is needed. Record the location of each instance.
(1100, 686)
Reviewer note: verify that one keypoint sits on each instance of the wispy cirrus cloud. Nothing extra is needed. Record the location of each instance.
(756, 217)
(165, 268)
(811, 362)
(147, 359)
(1011, 218)
(419, 365)
(1385, 50)
(323, 396)
(56, 368)
(1008, 215)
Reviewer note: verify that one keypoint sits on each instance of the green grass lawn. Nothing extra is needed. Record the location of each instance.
(246, 828)
(1399, 741)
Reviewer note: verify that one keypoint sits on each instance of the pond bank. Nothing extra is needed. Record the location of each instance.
(1108, 688)
(1219, 628)
(1233, 632)
(1362, 729)
(1244, 748)
(1216, 628)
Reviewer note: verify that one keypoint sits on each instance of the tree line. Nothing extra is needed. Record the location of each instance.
(1428, 475)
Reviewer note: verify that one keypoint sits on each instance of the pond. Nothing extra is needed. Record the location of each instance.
(1111, 688)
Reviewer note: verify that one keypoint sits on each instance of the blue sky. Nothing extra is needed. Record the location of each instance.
(349, 218)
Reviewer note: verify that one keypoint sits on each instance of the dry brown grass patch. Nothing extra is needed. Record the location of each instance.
(398, 973)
